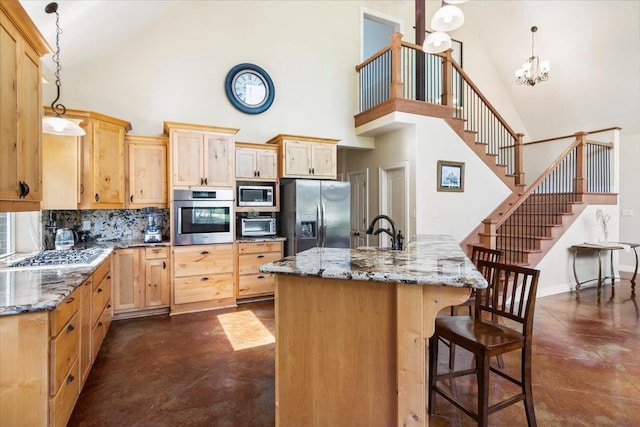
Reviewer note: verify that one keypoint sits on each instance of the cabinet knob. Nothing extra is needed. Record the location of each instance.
(131, 198)
(258, 174)
(260, 256)
(87, 283)
(164, 265)
(309, 171)
(81, 188)
(260, 277)
(99, 323)
(70, 300)
(204, 279)
(201, 181)
(97, 197)
(108, 305)
(206, 181)
(70, 379)
(204, 253)
(70, 328)
(313, 171)
(99, 290)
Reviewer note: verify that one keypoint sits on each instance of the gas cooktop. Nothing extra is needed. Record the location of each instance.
(65, 257)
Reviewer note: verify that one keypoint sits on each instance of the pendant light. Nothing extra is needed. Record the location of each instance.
(447, 18)
(57, 125)
(436, 42)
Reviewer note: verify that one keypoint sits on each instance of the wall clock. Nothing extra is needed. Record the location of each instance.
(249, 88)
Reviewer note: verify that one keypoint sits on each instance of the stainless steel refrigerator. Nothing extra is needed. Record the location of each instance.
(314, 213)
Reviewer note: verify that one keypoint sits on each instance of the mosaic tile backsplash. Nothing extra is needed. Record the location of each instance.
(106, 224)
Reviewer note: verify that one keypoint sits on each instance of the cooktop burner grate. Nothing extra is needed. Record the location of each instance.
(66, 257)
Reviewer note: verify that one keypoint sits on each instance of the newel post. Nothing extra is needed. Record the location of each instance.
(518, 169)
(396, 66)
(447, 79)
(581, 178)
(488, 238)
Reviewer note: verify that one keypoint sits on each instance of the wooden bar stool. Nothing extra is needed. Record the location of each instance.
(510, 298)
(477, 253)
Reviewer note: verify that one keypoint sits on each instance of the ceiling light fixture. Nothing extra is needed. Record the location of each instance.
(57, 125)
(436, 42)
(533, 70)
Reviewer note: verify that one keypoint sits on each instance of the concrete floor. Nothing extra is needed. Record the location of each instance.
(217, 368)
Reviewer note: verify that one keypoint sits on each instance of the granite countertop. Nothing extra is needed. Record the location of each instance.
(432, 259)
(27, 289)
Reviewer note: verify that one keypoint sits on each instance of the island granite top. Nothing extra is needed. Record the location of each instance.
(432, 259)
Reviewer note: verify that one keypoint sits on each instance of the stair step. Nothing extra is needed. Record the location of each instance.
(528, 237)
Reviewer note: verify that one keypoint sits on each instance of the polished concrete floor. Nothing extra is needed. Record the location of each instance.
(217, 368)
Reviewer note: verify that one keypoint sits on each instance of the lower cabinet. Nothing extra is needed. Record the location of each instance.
(250, 282)
(45, 356)
(141, 281)
(202, 278)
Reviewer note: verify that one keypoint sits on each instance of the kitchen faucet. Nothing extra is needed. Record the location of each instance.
(396, 237)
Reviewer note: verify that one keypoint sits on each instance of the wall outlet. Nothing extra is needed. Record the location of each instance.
(86, 225)
(626, 212)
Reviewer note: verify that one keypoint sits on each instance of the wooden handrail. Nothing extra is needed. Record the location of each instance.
(373, 58)
(485, 100)
(537, 182)
(573, 134)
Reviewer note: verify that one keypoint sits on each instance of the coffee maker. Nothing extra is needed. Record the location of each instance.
(153, 227)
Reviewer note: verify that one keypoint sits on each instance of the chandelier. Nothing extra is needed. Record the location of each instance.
(58, 125)
(533, 70)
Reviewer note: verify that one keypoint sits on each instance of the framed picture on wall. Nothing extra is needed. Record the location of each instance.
(450, 176)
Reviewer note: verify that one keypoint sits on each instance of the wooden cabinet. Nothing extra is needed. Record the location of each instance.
(47, 355)
(250, 282)
(91, 173)
(21, 46)
(201, 156)
(141, 281)
(306, 157)
(146, 171)
(257, 162)
(101, 308)
(202, 277)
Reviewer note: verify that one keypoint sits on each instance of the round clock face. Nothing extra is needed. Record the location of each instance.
(249, 88)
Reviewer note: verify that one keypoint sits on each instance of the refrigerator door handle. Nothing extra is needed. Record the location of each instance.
(318, 226)
(324, 225)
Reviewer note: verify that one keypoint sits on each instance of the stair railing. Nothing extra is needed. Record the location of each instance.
(392, 73)
(583, 167)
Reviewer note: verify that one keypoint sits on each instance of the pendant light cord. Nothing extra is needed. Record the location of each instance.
(59, 109)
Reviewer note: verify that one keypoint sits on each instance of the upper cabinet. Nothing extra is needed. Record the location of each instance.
(306, 157)
(146, 178)
(98, 165)
(21, 46)
(258, 162)
(201, 156)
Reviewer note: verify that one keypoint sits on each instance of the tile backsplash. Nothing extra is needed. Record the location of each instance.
(106, 224)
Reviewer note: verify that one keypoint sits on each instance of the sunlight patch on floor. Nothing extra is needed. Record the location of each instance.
(244, 330)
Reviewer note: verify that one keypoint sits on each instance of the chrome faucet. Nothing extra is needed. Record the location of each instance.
(397, 238)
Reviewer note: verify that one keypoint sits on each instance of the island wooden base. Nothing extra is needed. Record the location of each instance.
(353, 353)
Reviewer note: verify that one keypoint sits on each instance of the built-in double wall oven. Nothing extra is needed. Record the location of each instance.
(203, 216)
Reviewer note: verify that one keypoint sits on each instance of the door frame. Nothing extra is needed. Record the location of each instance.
(364, 171)
(382, 195)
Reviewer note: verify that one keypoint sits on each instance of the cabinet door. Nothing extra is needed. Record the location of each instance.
(108, 165)
(147, 174)
(246, 163)
(323, 161)
(267, 164)
(187, 158)
(157, 283)
(126, 280)
(30, 125)
(9, 113)
(218, 160)
(297, 158)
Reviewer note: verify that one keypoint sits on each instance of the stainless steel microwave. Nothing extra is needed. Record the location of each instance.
(255, 195)
(260, 226)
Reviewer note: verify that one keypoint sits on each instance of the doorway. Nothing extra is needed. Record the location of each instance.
(359, 207)
(377, 29)
(394, 197)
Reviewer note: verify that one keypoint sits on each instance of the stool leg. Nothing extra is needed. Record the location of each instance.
(483, 389)
(527, 389)
(433, 372)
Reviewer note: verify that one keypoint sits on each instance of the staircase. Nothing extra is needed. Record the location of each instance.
(529, 221)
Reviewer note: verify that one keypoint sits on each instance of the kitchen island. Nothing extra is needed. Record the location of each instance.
(351, 330)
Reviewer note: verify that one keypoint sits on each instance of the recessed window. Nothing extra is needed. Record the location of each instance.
(7, 233)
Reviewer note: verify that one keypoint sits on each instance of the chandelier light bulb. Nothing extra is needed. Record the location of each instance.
(533, 70)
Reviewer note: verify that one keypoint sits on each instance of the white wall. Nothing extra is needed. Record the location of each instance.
(174, 69)
(629, 199)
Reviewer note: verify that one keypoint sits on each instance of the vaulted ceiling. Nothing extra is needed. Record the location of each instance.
(593, 47)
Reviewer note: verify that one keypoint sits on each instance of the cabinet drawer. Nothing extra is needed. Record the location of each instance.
(254, 284)
(101, 294)
(63, 312)
(102, 270)
(61, 406)
(64, 352)
(202, 260)
(258, 247)
(250, 263)
(203, 288)
(156, 253)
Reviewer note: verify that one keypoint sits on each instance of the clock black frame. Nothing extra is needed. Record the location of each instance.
(239, 104)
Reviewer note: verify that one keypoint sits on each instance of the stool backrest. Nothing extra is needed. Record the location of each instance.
(511, 293)
(481, 253)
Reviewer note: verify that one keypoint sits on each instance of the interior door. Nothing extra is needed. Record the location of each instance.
(359, 203)
(395, 202)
